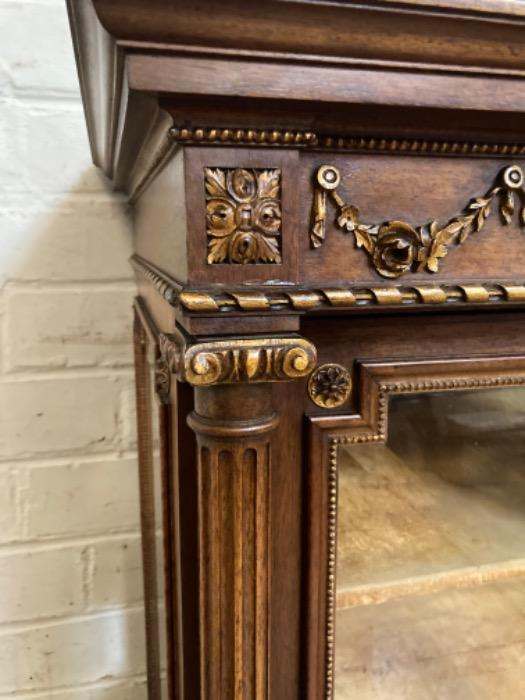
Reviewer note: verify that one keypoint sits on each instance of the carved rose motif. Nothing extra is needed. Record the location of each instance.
(243, 215)
(396, 249)
(330, 386)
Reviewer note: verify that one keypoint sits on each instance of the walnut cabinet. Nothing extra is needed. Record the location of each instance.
(329, 213)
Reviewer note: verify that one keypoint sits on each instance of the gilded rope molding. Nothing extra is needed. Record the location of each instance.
(343, 297)
(353, 297)
(308, 139)
(397, 247)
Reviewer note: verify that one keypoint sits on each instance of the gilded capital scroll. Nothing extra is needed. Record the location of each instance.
(237, 360)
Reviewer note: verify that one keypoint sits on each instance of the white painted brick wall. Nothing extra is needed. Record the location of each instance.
(91, 328)
(71, 616)
(81, 498)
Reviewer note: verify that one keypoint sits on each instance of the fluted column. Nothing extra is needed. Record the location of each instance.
(233, 426)
(234, 421)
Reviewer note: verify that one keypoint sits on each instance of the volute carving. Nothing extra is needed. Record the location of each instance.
(237, 360)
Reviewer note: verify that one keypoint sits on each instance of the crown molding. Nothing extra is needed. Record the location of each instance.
(145, 67)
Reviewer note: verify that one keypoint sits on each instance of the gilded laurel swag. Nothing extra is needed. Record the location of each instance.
(243, 215)
(396, 247)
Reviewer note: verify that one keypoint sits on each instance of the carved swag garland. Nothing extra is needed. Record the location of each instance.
(243, 215)
(396, 247)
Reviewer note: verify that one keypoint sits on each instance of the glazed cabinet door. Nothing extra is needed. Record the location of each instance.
(430, 573)
(416, 511)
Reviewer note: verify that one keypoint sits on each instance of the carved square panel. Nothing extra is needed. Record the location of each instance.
(243, 215)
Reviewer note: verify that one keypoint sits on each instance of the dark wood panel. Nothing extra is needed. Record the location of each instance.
(345, 29)
(368, 423)
(197, 159)
(416, 190)
(396, 337)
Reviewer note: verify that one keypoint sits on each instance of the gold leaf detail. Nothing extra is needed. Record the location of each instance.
(330, 386)
(464, 235)
(432, 264)
(348, 218)
(218, 250)
(268, 249)
(269, 183)
(363, 239)
(507, 206)
(239, 360)
(396, 247)
(215, 182)
(243, 215)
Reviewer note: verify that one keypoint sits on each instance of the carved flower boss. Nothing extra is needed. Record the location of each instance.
(395, 247)
(330, 386)
(243, 215)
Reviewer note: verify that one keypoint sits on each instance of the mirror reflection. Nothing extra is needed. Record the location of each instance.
(430, 598)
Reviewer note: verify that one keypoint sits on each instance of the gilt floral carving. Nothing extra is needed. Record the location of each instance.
(330, 386)
(397, 247)
(243, 215)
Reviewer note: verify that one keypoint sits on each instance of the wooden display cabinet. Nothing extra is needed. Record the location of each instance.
(329, 338)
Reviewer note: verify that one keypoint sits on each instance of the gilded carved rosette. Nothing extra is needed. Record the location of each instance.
(243, 215)
(330, 386)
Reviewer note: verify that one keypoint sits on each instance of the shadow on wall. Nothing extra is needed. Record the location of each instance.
(69, 528)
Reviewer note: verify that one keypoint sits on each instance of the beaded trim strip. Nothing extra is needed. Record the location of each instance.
(309, 139)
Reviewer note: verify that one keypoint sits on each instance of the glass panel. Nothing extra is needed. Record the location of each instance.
(430, 591)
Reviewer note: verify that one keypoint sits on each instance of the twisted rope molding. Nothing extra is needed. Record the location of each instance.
(344, 297)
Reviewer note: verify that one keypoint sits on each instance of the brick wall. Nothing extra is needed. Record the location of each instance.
(71, 619)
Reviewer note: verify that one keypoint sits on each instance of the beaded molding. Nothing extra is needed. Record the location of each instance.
(309, 139)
